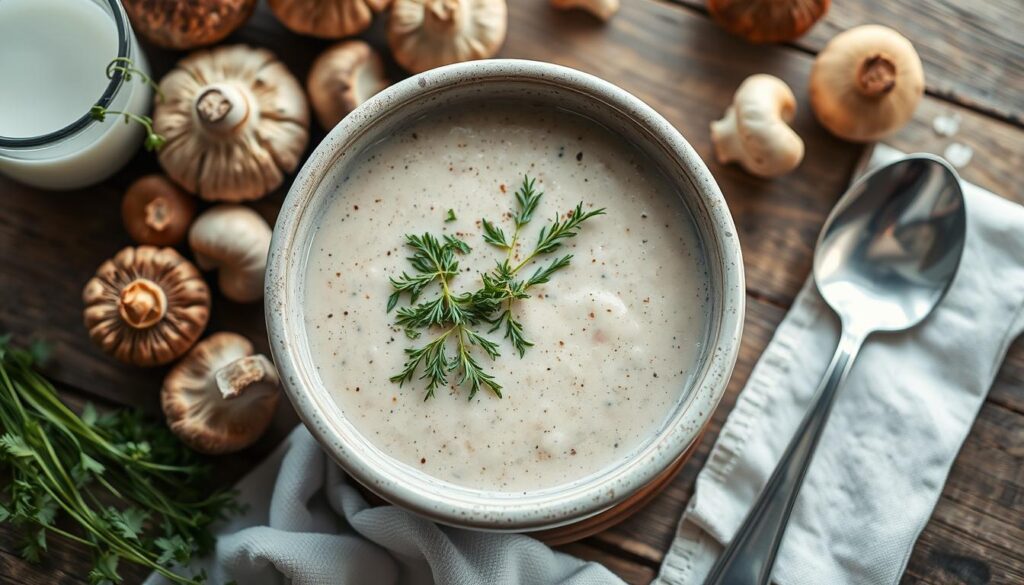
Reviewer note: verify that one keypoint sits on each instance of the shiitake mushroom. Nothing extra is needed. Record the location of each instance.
(146, 306)
(187, 24)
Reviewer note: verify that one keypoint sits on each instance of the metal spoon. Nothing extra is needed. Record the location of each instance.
(885, 258)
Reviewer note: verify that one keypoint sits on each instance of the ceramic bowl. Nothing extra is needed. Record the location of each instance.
(593, 501)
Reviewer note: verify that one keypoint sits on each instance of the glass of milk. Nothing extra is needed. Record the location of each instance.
(53, 62)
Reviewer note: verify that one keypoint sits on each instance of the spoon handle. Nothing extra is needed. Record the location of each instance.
(749, 558)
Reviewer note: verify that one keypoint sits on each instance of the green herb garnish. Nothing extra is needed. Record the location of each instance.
(129, 490)
(458, 315)
(127, 69)
(450, 216)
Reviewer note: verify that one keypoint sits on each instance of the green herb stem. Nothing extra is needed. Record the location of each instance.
(100, 472)
(434, 260)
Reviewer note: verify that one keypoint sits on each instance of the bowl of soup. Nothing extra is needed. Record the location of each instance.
(506, 295)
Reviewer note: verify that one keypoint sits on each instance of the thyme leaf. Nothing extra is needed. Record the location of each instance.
(456, 317)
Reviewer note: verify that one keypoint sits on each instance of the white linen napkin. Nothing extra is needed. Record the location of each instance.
(895, 429)
(307, 525)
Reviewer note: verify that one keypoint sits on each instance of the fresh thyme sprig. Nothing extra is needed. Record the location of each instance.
(501, 282)
(126, 67)
(457, 315)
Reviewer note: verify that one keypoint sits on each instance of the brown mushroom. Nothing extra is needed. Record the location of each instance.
(767, 21)
(235, 121)
(186, 24)
(220, 397)
(424, 34)
(866, 83)
(343, 77)
(146, 306)
(156, 212)
(327, 19)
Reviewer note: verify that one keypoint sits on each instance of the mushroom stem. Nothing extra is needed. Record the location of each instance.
(158, 214)
(222, 108)
(247, 375)
(443, 16)
(142, 303)
(876, 75)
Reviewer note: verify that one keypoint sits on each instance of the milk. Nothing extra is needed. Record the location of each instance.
(53, 60)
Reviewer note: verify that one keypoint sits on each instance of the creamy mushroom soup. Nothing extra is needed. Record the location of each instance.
(616, 334)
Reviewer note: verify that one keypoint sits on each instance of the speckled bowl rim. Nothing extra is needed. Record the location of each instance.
(414, 490)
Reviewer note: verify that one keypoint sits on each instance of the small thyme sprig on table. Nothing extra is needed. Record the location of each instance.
(126, 67)
(457, 315)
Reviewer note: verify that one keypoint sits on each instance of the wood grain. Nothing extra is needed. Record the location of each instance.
(675, 59)
(971, 51)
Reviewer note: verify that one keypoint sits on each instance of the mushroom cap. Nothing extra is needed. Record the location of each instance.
(424, 34)
(327, 19)
(146, 306)
(186, 24)
(767, 21)
(220, 397)
(343, 77)
(235, 240)
(866, 83)
(156, 212)
(235, 121)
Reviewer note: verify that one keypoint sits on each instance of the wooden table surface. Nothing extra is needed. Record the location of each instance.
(671, 55)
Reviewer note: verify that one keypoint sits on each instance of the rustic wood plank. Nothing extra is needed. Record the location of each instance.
(631, 571)
(970, 50)
(998, 148)
(1006, 390)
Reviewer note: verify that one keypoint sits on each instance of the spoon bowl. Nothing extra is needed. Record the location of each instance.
(886, 256)
(892, 245)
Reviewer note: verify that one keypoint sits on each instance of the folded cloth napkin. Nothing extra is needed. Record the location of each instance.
(307, 525)
(895, 428)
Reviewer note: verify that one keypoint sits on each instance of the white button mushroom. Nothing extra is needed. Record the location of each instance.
(424, 34)
(603, 9)
(343, 77)
(235, 240)
(754, 131)
(220, 397)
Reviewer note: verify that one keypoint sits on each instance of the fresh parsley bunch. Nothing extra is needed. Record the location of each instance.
(457, 315)
(127, 488)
